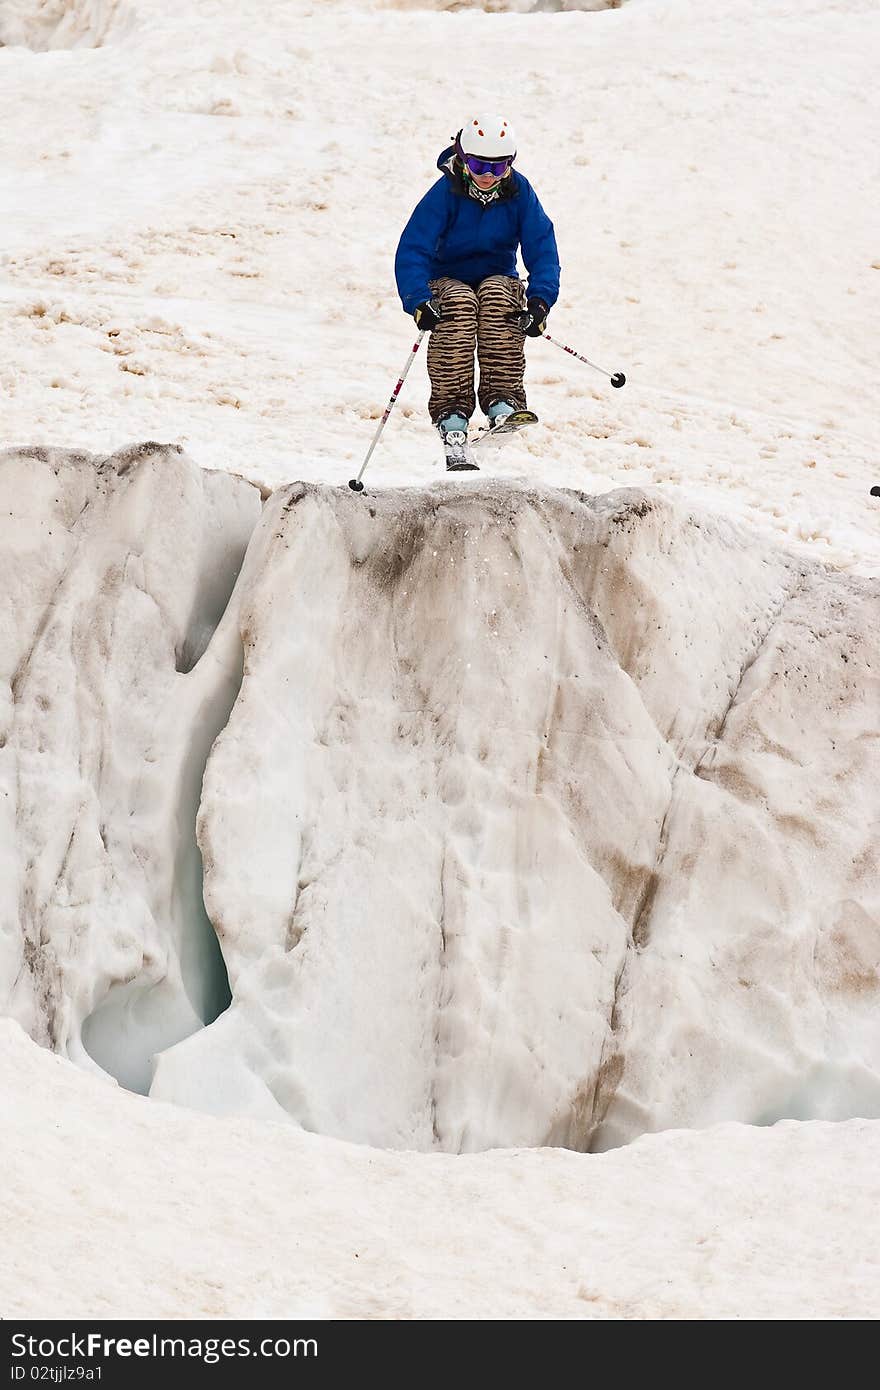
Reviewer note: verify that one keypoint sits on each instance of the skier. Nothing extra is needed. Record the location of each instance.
(456, 274)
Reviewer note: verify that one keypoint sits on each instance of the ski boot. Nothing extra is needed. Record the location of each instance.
(498, 412)
(453, 432)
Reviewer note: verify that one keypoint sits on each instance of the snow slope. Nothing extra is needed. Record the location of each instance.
(200, 221)
(165, 1214)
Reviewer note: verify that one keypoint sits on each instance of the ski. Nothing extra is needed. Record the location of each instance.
(508, 424)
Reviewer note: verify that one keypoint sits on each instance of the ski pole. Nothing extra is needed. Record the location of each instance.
(355, 483)
(617, 378)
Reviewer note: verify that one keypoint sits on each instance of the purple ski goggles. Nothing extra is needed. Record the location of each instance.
(498, 167)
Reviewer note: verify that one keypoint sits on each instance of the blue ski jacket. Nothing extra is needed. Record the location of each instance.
(451, 233)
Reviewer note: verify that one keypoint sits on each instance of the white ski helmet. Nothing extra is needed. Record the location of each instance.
(489, 137)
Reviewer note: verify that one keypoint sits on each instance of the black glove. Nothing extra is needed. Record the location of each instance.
(427, 315)
(535, 318)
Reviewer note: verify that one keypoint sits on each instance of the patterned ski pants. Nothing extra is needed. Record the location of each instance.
(476, 318)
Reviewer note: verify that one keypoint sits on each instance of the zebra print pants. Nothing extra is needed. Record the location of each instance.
(476, 318)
